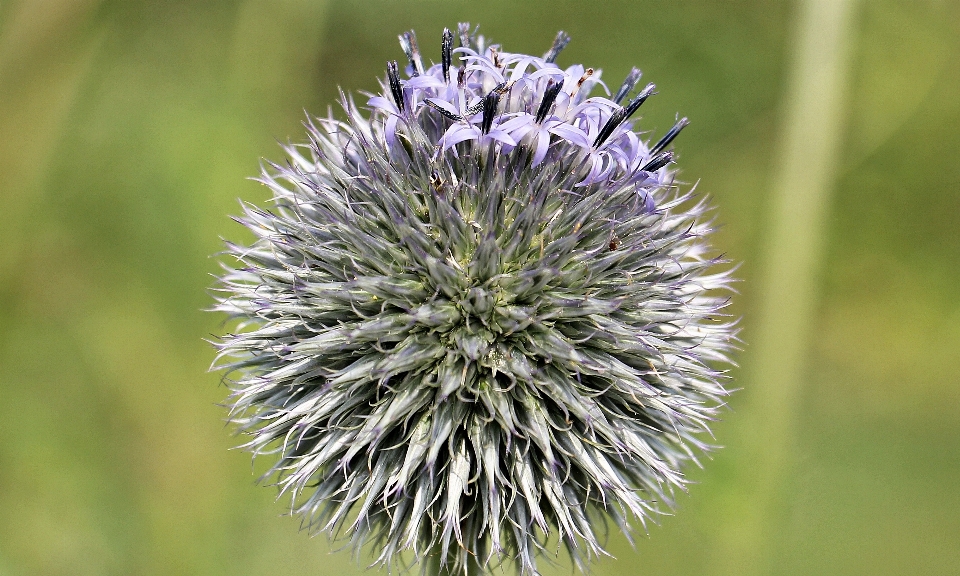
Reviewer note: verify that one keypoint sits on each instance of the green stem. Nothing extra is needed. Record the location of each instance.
(434, 567)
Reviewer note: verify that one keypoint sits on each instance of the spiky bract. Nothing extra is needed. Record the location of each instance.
(478, 318)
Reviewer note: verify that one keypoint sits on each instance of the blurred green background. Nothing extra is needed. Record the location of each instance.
(127, 129)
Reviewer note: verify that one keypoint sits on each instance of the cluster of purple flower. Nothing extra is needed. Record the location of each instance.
(521, 101)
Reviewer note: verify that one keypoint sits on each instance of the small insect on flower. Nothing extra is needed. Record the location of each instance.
(480, 316)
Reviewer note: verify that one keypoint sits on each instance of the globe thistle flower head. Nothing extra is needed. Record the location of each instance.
(480, 316)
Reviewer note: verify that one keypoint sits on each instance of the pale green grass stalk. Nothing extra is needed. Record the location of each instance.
(805, 175)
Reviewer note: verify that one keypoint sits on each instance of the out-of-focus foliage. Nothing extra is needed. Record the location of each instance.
(126, 132)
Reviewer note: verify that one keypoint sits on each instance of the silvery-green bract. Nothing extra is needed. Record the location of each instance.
(478, 316)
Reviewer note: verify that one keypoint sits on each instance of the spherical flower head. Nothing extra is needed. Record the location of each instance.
(480, 315)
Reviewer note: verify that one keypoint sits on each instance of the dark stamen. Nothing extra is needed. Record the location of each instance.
(490, 102)
(639, 99)
(549, 96)
(615, 119)
(408, 41)
(669, 136)
(466, 39)
(462, 78)
(499, 90)
(622, 114)
(559, 43)
(658, 161)
(628, 83)
(443, 112)
(393, 76)
(446, 54)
